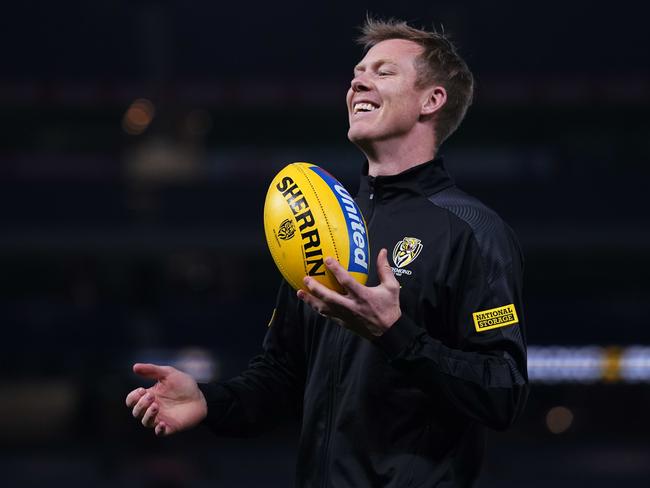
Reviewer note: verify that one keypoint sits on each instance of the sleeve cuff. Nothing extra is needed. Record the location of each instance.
(399, 337)
(218, 399)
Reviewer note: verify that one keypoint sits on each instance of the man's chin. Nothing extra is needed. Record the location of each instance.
(359, 137)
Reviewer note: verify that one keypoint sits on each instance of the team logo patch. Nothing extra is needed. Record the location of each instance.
(406, 250)
(287, 230)
(495, 318)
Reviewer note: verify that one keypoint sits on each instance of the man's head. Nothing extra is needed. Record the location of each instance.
(409, 80)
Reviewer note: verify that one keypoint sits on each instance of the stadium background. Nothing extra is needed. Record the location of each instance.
(136, 142)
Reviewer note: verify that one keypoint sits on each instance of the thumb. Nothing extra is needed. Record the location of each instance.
(150, 371)
(384, 271)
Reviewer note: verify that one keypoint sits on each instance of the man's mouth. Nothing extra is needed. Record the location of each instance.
(361, 107)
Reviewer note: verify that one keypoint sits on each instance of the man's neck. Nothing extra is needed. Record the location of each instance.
(393, 157)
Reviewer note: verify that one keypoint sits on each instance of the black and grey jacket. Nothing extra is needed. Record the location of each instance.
(409, 409)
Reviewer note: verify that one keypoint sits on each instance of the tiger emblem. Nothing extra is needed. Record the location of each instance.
(287, 230)
(406, 251)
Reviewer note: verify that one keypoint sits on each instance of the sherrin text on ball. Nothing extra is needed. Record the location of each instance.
(308, 216)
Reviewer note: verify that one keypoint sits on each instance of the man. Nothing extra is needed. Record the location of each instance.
(397, 381)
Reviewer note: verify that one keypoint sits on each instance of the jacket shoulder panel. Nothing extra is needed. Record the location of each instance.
(495, 240)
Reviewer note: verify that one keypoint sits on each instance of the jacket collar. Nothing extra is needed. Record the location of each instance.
(424, 179)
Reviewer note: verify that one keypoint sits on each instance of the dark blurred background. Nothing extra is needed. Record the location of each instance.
(137, 140)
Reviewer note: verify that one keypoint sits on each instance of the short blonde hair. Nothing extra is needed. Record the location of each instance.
(439, 63)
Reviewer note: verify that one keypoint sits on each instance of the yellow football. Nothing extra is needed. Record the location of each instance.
(308, 216)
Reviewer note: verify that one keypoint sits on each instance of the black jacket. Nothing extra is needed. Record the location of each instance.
(410, 409)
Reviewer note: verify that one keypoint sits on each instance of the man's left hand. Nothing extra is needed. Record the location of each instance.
(367, 311)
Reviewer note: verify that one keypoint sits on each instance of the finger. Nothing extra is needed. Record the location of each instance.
(330, 297)
(150, 371)
(161, 429)
(319, 306)
(149, 417)
(315, 303)
(142, 405)
(133, 397)
(344, 278)
(384, 270)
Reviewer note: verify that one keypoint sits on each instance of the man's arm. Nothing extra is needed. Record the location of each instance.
(482, 370)
(271, 388)
(484, 373)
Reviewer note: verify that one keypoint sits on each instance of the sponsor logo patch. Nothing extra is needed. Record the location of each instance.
(287, 230)
(495, 318)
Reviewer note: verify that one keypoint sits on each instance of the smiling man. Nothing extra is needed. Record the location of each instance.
(396, 381)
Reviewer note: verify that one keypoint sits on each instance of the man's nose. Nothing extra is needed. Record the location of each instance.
(359, 84)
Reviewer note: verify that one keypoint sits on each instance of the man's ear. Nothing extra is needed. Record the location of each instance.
(436, 98)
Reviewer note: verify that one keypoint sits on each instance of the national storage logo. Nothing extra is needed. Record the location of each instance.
(495, 317)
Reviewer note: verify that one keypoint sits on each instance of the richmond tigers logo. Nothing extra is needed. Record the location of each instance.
(406, 251)
(287, 230)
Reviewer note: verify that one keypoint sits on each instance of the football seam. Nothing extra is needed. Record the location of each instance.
(329, 230)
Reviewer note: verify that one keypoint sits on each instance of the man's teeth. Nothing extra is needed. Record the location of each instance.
(364, 107)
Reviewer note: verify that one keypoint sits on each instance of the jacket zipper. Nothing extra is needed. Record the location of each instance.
(371, 205)
(335, 370)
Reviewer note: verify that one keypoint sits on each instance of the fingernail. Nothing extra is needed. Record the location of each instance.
(329, 261)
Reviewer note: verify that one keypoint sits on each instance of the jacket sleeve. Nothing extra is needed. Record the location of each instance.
(481, 366)
(271, 388)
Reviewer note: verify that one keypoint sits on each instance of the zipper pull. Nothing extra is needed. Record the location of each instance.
(371, 186)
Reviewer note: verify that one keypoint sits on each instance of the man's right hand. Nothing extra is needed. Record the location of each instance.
(173, 404)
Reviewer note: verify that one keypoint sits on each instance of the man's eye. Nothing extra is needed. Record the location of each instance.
(384, 73)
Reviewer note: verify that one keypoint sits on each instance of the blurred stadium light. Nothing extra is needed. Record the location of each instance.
(589, 364)
(138, 117)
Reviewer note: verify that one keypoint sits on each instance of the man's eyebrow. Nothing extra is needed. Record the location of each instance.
(374, 64)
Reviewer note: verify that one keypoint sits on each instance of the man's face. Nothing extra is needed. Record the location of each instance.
(383, 101)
